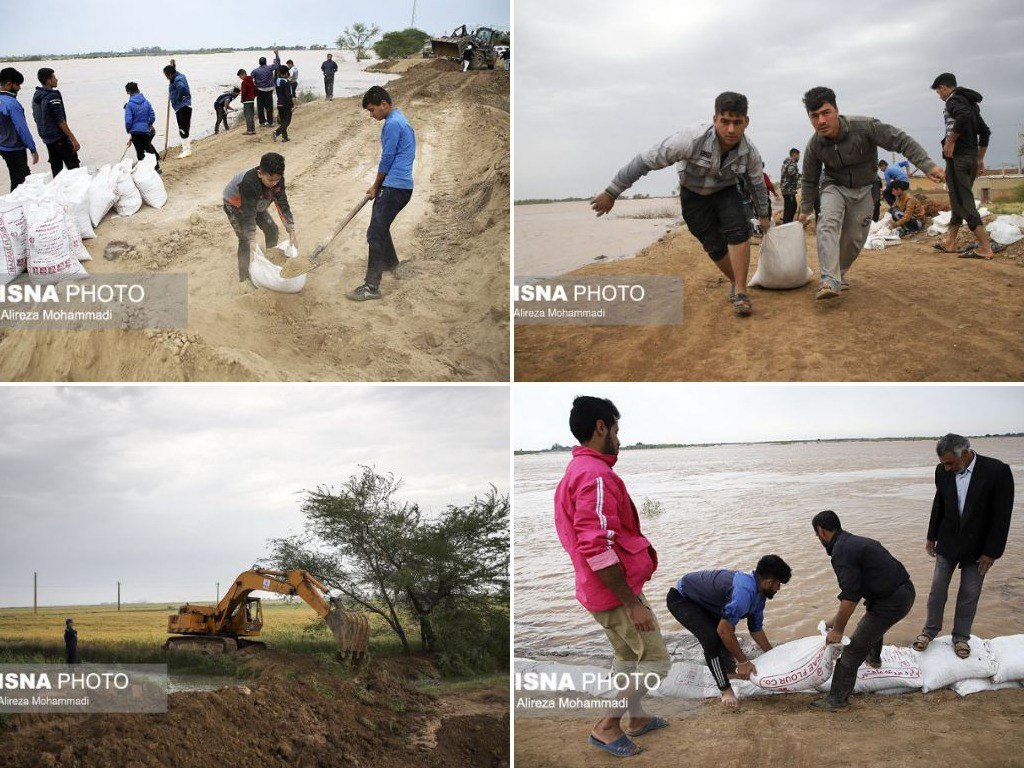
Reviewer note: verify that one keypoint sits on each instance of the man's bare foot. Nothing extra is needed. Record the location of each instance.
(729, 700)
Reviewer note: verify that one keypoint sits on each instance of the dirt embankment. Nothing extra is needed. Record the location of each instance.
(447, 319)
(909, 731)
(912, 314)
(297, 714)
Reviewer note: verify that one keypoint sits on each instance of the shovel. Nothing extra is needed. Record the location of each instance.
(301, 265)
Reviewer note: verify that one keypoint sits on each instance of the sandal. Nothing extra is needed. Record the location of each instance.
(741, 305)
(653, 724)
(621, 747)
(921, 642)
(962, 649)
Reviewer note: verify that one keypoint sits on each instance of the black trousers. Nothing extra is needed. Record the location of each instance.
(184, 118)
(788, 208)
(62, 155)
(389, 203)
(329, 86)
(264, 222)
(222, 117)
(265, 107)
(284, 119)
(717, 220)
(961, 172)
(703, 625)
(143, 142)
(17, 165)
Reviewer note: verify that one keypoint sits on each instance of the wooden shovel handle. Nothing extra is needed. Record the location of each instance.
(351, 215)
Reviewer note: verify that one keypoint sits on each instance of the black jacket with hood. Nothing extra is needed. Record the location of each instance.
(963, 116)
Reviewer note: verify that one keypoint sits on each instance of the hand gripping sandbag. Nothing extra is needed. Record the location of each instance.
(129, 199)
(51, 250)
(13, 240)
(800, 665)
(71, 189)
(150, 185)
(102, 193)
(265, 274)
(782, 261)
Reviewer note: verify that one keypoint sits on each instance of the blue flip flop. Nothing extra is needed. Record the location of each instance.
(621, 747)
(652, 725)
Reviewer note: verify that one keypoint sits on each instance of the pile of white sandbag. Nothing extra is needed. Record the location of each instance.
(1006, 230)
(940, 221)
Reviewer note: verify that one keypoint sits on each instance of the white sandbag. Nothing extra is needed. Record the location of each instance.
(782, 259)
(71, 189)
(265, 274)
(78, 249)
(942, 218)
(1002, 231)
(935, 230)
(899, 670)
(979, 684)
(800, 665)
(51, 252)
(129, 199)
(941, 667)
(1008, 653)
(687, 680)
(13, 240)
(150, 185)
(983, 212)
(102, 194)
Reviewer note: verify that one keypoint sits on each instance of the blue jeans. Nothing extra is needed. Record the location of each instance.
(389, 203)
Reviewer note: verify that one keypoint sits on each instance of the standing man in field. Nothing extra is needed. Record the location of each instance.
(181, 103)
(248, 94)
(843, 155)
(52, 124)
(789, 180)
(710, 160)
(963, 148)
(598, 525)
(967, 529)
(711, 603)
(391, 190)
(15, 140)
(864, 569)
(71, 642)
(329, 68)
(264, 76)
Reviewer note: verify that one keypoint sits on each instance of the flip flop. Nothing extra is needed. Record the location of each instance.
(921, 642)
(741, 305)
(971, 254)
(652, 725)
(621, 747)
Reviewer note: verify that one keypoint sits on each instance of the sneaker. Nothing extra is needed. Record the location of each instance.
(826, 291)
(826, 704)
(364, 293)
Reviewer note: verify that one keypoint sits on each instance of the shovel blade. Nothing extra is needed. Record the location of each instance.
(300, 265)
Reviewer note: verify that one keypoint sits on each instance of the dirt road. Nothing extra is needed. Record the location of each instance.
(446, 320)
(912, 314)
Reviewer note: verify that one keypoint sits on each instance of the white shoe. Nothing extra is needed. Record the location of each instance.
(186, 148)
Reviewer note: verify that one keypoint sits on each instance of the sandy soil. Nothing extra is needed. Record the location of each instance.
(939, 728)
(912, 314)
(447, 319)
(296, 714)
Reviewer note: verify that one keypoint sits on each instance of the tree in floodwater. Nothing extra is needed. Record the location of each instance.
(357, 39)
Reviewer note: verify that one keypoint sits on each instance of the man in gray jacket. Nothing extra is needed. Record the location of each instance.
(846, 148)
(710, 160)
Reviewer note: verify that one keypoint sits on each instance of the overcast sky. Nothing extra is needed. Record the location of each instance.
(597, 82)
(172, 489)
(698, 413)
(80, 26)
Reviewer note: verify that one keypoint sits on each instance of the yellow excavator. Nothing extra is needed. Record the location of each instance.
(238, 617)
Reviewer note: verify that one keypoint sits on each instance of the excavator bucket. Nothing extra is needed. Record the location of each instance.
(352, 632)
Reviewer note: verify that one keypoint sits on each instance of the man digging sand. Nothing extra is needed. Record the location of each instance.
(710, 159)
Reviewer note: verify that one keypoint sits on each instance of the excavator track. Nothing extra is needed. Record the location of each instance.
(201, 644)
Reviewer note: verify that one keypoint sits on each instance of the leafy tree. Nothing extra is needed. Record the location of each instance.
(357, 39)
(395, 45)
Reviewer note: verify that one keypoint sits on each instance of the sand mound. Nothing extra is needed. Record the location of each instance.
(446, 319)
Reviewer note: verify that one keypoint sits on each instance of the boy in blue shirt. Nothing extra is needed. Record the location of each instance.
(711, 603)
(391, 190)
(285, 102)
(14, 136)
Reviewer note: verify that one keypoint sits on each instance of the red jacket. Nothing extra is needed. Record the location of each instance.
(248, 89)
(598, 525)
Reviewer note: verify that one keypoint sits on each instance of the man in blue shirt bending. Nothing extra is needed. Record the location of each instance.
(711, 603)
(390, 191)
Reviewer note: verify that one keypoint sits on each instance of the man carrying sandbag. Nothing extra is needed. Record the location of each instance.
(711, 603)
(864, 569)
(710, 160)
(247, 200)
(846, 149)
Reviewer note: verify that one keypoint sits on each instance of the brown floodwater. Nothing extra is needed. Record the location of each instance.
(726, 506)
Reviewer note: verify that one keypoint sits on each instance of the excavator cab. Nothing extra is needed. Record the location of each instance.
(253, 615)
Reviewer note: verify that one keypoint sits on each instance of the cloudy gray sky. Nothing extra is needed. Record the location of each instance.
(713, 413)
(172, 489)
(598, 81)
(77, 26)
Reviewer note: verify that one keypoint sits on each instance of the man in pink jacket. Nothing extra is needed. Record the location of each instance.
(598, 525)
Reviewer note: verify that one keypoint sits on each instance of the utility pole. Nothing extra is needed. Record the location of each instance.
(35, 592)
(218, 594)
(1020, 148)
(119, 596)
(413, 22)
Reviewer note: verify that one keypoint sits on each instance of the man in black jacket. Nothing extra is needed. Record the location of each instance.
(864, 568)
(963, 146)
(52, 123)
(967, 529)
(71, 642)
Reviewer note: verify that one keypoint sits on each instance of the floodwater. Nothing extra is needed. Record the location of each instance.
(94, 95)
(555, 238)
(726, 506)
